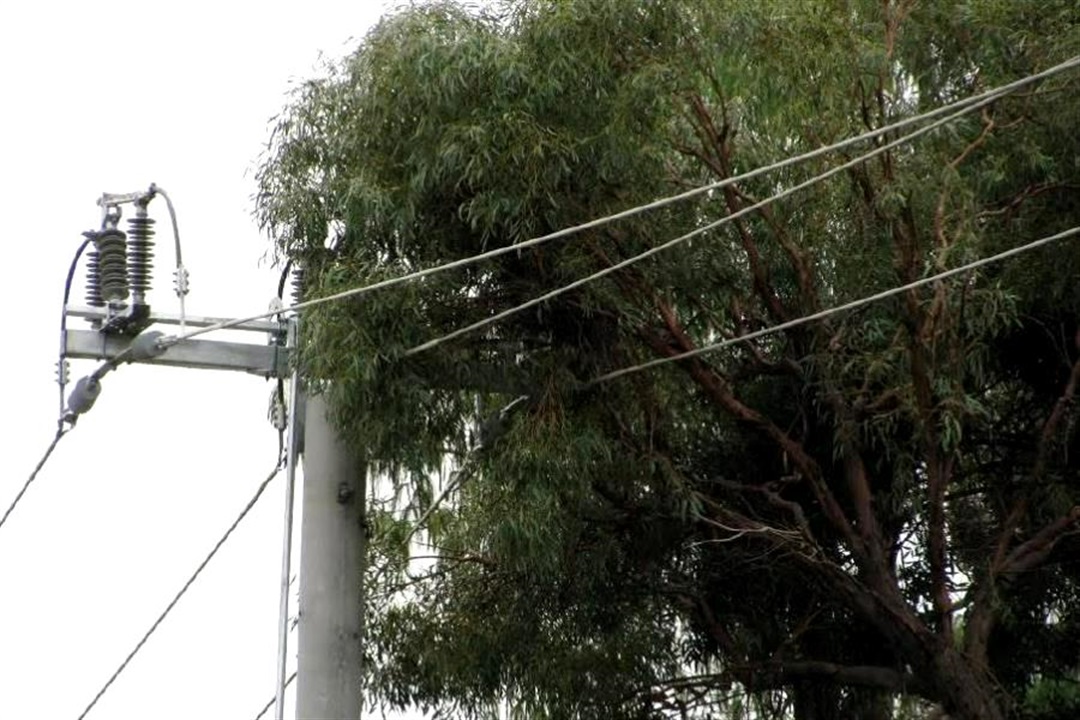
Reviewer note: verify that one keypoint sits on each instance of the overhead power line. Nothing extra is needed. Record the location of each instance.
(854, 304)
(62, 428)
(540, 299)
(61, 431)
(191, 580)
(270, 703)
(979, 99)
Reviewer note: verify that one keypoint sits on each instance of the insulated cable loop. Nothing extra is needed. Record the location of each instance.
(181, 278)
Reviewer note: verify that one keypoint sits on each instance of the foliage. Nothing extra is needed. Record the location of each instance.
(862, 517)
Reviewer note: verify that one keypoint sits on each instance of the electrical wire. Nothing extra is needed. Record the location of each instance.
(822, 314)
(270, 703)
(980, 100)
(181, 271)
(61, 368)
(61, 431)
(779, 328)
(194, 576)
(904, 139)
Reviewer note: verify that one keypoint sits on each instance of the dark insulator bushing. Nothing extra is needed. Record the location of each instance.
(111, 246)
(140, 254)
(93, 280)
(298, 285)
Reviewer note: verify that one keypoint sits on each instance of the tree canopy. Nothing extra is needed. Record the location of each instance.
(873, 516)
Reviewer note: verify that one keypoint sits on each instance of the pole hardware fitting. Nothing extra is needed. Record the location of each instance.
(119, 266)
(345, 493)
(110, 277)
(146, 346)
(107, 201)
(63, 372)
(277, 413)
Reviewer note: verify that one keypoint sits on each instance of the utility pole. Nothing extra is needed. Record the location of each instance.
(333, 541)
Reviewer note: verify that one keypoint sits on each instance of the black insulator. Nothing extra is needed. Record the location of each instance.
(140, 254)
(111, 248)
(298, 285)
(93, 280)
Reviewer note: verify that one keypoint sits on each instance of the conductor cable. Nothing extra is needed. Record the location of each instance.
(854, 304)
(970, 103)
(190, 581)
(61, 431)
(180, 275)
(701, 230)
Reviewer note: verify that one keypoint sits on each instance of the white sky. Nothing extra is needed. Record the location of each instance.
(111, 97)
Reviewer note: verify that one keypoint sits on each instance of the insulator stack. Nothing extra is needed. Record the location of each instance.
(298, 284)
(111, 246)
(93, 280)
(140, 255)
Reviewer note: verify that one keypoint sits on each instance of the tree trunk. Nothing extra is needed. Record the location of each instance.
(945, 674)
(965, 692)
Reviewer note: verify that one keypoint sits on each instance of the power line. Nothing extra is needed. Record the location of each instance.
(61, 370)
(822, 314)
(61, 431)
(61, 363)
(270, 703)
(180, 274)
(699, 231)
(172, 603)
(979, 100)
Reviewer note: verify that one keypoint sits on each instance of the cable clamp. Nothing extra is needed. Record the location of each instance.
(63, 372)
(181, 281)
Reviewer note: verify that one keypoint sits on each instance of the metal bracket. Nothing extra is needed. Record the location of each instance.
(266, 326)
(264, 360)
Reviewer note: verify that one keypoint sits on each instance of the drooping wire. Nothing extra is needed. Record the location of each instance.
(190, 581)
(540, 299)
(979, 99)
(270, 703)
(60, 432)
(180, 275)
(822, 314)
(61, 366)
(61, 370)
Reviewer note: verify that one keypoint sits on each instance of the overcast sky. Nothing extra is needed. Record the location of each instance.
(111, 97)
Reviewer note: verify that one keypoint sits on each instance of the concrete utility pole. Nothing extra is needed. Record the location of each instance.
(332, 532)
(331, 574)
(293, 448)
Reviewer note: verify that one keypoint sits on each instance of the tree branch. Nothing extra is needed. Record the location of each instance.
(780, 674)
(1031, 553)
(720, 392)
(719, 162)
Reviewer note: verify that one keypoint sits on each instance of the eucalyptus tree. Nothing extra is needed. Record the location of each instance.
(870, 516)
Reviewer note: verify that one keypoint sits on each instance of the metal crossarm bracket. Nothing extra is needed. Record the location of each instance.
(266, 360)
(270, 359)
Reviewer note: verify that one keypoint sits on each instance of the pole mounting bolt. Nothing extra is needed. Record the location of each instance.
(345, 493)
